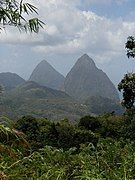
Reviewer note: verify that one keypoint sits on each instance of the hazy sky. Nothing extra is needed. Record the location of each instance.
(73, 27)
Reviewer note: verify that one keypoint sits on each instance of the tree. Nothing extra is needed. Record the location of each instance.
(127, 84)
(130, 46)
(89, 123)
(14, 13)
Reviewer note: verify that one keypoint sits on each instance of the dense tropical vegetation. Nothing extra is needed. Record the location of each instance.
(100, 147)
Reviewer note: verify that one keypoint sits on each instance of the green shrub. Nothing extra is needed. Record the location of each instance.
(111, 160)
(89, 123)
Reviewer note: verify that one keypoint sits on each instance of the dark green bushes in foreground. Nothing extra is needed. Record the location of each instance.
(96, 148)
(110, 125)
(63, 134)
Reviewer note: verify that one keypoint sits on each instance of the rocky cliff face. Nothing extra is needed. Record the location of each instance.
(10, 80)
(85, 80)
(45, 75)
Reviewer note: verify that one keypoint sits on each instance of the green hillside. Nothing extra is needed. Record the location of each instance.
(39, 101)
(10, 80)
(99, 105)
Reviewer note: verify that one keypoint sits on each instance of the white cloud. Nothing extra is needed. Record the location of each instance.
(85, 31)
(71, 31)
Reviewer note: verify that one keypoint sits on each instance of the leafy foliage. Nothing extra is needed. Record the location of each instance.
(130, 46)
(127, 85)
(111, 126)
(107, 125)
(109, 160)
(63, 134)
(73, 153)
(14, 13)
(89, 122)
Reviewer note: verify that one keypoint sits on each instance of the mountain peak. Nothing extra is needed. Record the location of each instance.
(85, 56)
(44, 62)
(85, 80)
(86, 61)
(45, 75)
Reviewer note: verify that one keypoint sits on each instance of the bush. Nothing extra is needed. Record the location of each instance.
(62, 134)
(89, 123)
(30, 126)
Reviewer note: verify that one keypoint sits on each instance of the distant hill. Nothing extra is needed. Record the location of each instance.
(87, 90)
(45, 75)
(86, 80)
(100, 105)
(10, 80)
(39, 101)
